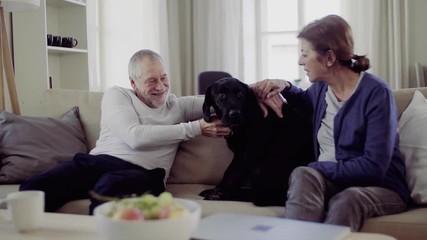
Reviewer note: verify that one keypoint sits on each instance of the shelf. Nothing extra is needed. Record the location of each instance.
(63, 50)
(66, 3)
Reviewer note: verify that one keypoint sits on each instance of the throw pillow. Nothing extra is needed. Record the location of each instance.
(413, 145)
(31, 145)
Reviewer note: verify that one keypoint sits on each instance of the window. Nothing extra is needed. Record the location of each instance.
(279, 23)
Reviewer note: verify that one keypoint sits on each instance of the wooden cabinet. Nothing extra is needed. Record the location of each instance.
(39, 66)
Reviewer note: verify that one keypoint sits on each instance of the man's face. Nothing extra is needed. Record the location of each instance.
(153, 87)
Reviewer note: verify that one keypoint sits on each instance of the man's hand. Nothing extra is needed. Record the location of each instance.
(214, 128)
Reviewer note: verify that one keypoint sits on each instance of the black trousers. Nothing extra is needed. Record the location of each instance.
(104, 174)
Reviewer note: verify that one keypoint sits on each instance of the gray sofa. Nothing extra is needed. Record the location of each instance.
(200, 163)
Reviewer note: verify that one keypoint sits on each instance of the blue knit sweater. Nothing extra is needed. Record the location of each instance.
(365, 134)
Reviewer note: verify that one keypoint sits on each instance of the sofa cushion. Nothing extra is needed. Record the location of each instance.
(89, 103)
(30, 145)
(403, 97)
(209, 207)
(201, 160)
(413, 145)
(411, 224)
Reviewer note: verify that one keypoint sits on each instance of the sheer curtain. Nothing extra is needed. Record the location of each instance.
(223, 29)
(180, 41)
(125, 27)
(207, 35)
(191, 35)
(225, 37)
(200, 35)
(380, 30)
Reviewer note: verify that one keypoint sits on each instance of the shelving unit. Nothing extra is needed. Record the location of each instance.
(39, 66)
(68, 67)
(65, 3)
(63, 50)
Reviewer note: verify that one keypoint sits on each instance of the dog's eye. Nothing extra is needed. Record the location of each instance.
(221, 95)
(240, 94)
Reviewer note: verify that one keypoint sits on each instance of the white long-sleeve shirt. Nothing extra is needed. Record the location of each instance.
(148, 137)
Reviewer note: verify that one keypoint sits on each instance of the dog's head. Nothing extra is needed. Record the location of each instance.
(228, 98)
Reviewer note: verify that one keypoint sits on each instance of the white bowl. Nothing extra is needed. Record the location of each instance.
(178, 228)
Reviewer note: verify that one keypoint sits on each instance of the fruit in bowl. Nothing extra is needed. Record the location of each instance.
(148, 217)
(147, 207)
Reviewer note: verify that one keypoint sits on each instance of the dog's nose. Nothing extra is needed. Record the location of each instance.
(234, 113)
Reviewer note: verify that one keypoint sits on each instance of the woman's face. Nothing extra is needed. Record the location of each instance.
(313, 63)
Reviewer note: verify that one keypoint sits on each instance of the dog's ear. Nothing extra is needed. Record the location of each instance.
(207, 104)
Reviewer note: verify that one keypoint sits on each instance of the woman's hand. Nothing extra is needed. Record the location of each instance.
(275, 102)
(268, 94)
(269, 87)
(214, 128)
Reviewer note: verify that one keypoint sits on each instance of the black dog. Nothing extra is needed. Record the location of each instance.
(266, 150)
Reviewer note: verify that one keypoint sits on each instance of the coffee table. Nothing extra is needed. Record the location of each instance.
(83, 227)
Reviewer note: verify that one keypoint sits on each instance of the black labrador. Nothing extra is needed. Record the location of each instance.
(266, 150)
